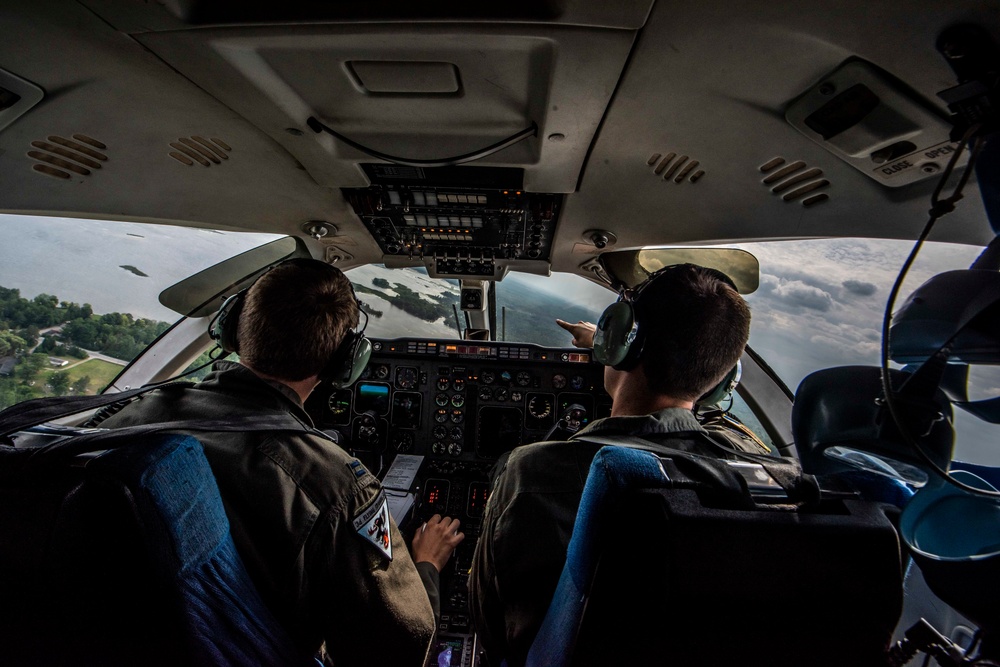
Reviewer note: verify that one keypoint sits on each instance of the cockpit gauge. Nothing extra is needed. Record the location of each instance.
(488, 377)
(458, 384)
(406, 377)
(381, 371)
(403, 442)
(540, 406)
(577, 382)
(501, 394)
(485, 393)
(506, 376)
(516, 396)
(443, 383)
(524, 378)
(339, 405)
(558, 380)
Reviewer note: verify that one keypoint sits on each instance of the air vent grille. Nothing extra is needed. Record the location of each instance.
(60, 157)
(195, 149)
(674, 167)
(795, 181)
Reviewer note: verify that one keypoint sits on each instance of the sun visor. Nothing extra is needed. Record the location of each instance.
(629, 268)
(202, 294)
(959, 309)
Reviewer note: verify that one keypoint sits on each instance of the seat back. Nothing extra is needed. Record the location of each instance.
(126, 559)
(664, 570)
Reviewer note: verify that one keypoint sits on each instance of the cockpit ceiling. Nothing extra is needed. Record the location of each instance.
(426, 92)
(657, 123)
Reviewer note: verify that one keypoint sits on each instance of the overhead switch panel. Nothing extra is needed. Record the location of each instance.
(465, 230)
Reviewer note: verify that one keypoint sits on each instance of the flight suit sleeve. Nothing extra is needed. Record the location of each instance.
(432, 584)
(380, 611)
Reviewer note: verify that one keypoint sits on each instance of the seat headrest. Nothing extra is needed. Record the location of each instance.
(840, 422)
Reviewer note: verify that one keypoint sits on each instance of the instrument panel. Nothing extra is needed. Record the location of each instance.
(459, 401)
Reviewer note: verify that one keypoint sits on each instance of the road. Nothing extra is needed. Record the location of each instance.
(91, 354)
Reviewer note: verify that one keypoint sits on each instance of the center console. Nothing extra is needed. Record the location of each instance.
(434, 416)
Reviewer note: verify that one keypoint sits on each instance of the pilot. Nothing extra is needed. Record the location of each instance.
(309, 521)
(690, 329)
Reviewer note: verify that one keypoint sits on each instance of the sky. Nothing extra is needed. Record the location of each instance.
(819, 303)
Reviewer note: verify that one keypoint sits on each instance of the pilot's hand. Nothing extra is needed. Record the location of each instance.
(583, 332)
(435, 541)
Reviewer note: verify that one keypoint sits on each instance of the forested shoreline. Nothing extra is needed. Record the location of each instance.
(34, 330)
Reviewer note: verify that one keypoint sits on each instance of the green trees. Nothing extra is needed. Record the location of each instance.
(59, 382)
(11, 343)
(81, 385)
(63, 329)
(118, 335)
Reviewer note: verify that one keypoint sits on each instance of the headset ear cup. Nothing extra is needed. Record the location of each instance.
(349, 361)
(724, 389)
(615, 337)
(227, 323)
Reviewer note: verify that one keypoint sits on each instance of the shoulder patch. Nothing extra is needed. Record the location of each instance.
(373, 525)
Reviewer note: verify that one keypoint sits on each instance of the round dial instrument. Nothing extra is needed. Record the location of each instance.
(540, 407)
(406, 377)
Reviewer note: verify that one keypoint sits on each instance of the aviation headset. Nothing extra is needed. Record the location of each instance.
(620, 334)
(343, 368)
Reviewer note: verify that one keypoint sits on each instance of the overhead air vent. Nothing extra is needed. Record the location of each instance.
(674, 167)
(206, 152)
(60, 157)
(795, 181)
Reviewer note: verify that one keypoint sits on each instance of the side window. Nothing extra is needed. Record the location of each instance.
(79, 298)
(742, 411)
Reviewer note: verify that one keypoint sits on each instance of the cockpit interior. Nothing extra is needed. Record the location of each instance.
(480, 170)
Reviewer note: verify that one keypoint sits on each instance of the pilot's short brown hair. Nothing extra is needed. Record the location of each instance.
(696, 328)
(295, 317)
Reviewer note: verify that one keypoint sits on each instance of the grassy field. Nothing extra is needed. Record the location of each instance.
(100, 372)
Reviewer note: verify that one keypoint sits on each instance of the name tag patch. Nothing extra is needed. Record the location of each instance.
(373, 525)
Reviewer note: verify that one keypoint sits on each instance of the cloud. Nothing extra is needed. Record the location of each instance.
(860, 288)
(797, 293)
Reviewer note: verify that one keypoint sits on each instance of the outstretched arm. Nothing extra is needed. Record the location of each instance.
(583, 332)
